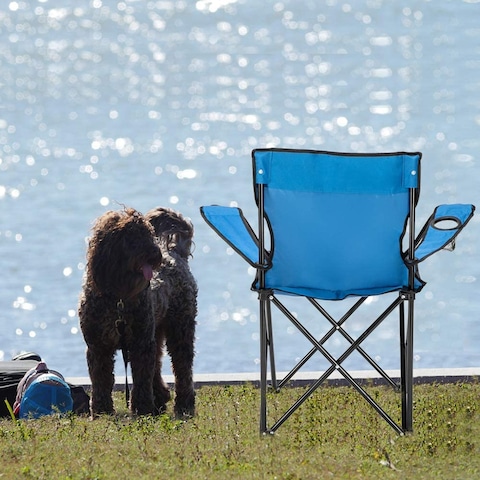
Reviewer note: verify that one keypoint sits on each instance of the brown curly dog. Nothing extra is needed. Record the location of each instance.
(138, 282)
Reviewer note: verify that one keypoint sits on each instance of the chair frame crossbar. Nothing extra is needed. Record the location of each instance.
(268, 298)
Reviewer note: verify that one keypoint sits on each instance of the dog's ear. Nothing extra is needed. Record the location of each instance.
(181, 242)
(103, 246)
(99, 261)
(174, 230)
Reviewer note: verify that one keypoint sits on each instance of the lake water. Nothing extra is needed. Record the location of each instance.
(147, 103)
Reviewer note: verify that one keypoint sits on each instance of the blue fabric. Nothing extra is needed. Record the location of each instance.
(329, 173)
(47, 394)
(340, 250)
(436, 236)
(337, 221)
(228, 222)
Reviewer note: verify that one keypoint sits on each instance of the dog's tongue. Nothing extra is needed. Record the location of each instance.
(147, 271)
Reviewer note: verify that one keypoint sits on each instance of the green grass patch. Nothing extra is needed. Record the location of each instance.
(333, 435)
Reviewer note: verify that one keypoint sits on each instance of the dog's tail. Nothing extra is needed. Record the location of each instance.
(172, 228)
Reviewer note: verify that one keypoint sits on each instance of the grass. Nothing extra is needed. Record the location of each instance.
(334, 435)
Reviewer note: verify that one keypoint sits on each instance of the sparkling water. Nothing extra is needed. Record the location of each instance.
(146, 103)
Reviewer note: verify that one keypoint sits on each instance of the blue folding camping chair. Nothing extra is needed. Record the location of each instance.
(333, 226)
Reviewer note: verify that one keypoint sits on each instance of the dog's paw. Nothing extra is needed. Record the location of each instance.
(95, 415)
(184, 414)
(160, 408)
(141, 410)
(162, 397)
(185, 407)
(97, 409)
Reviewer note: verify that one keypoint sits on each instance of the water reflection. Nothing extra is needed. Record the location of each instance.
(161, 102)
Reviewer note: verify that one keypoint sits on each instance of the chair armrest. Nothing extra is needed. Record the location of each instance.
(230, 224)
(434, 236)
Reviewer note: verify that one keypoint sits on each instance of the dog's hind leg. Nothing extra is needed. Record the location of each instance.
(161, 392)
(180, 345)
(100, 367)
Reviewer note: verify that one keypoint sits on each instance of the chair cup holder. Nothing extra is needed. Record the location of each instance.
(446, 223)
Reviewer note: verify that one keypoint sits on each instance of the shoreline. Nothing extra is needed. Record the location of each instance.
(423, 375)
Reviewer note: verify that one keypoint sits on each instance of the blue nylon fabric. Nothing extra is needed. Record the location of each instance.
(228, 222)
(45, 395)
(437, 237)
(330, 173)
(339, 251)
(337, 221)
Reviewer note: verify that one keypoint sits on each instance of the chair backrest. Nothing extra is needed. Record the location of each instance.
(337, 221)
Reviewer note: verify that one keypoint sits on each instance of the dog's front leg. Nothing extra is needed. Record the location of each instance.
(100, 367)
(142, 361)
